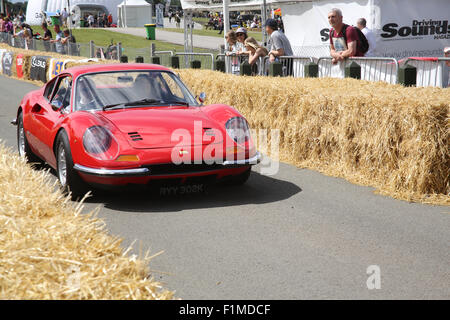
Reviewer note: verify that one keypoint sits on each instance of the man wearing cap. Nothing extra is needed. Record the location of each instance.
(278, 44)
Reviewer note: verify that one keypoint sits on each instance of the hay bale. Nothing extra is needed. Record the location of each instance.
(14, 67)
(393, 138)
(49, 250)
(26, 66)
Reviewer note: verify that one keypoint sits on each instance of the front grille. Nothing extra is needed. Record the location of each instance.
(171, 168)
(135, 136)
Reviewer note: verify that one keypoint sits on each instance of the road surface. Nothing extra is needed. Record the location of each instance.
(206, 42)
(296, 235)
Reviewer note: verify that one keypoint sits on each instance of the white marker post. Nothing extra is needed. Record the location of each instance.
(226, 21)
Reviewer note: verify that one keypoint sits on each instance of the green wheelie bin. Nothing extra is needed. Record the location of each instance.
(55, 20)
(150, 28)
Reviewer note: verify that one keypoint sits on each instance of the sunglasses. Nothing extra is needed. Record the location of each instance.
(239, 34)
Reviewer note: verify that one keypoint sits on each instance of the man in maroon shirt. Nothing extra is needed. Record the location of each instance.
(342, 47)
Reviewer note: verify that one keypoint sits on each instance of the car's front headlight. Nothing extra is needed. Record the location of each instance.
(96, 140)
(238, 130)
(100, 143)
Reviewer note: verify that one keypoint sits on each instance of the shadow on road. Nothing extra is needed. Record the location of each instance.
(259, 189)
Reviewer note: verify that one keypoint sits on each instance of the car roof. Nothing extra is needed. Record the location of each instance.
(79, 70)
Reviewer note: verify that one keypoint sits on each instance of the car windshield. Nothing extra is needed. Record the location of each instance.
(109, 90)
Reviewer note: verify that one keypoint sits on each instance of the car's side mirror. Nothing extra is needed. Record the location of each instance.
(57, 105)
(202, 97)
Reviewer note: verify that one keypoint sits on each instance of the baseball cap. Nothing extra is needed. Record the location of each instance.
(241, 30)
(271, 23)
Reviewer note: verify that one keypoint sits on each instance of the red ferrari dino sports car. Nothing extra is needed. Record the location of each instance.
(121, 124)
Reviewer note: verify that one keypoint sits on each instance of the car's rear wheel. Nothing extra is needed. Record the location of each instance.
(239, 179)
(68, 177)
(22, 142)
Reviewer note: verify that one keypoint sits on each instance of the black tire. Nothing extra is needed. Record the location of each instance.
(24, 150)
(72, 182)
(239, 179)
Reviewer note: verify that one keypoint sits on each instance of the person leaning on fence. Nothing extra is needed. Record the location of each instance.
(47, 36)
(241, 35)
(3, 37)
(57, 41)
(25, 34)
(2, 23)
(255, 52)
(342, 47)
(9, 27)
(69, 40)
(361, 24)
(232, 51)
(278, 45)
(231, 39)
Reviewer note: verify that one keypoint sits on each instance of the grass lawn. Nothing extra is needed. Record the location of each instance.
(214, 33)
(133, 46)
(103, 38)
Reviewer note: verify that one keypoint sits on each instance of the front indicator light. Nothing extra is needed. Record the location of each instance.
(129, 157)
(234, 150)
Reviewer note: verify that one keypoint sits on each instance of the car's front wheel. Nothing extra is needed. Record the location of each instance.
(67, 175)
(22, 142)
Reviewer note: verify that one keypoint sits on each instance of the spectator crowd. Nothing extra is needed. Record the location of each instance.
(345, 40)
(15, 31)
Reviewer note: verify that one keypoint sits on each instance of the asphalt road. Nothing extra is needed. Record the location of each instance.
(296, 235)
(206, 42)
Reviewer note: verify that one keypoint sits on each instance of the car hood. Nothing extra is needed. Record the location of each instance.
(165, 127)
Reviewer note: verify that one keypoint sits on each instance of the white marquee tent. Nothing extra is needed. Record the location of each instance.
(134, 13)
(36, 7)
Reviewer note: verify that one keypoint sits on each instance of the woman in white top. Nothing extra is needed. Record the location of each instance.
(233, 49)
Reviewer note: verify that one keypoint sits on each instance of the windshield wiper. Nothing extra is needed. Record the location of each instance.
(183, 103)
(141, 102)
(110, 106)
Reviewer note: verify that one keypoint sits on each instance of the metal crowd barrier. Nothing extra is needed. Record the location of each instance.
(73, 49)
(165, 57)
(372, 68)
(377, 68)
(294, 66)
(232, 62)
(206, 59)
(430, 71)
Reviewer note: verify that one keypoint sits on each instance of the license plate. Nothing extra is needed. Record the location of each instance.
(183, 189)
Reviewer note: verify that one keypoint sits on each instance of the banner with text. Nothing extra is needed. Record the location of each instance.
(402, 27)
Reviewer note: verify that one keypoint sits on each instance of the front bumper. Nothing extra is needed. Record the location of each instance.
(143, 171)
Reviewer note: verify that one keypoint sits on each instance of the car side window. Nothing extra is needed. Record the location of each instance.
(49, 88)
(63, 90)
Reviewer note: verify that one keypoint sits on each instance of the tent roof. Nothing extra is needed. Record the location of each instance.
(130, 3)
